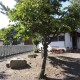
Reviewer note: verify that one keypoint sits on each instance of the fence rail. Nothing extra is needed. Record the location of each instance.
(14, 49)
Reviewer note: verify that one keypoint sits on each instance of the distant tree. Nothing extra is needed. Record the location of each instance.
(72, 17)
(36, 39)
(21, 34)
(7, 34)
(2, 33)
(13, 34)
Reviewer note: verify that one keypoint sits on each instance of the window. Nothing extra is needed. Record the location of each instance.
(61, 38)
(54, 38)
(57, 38)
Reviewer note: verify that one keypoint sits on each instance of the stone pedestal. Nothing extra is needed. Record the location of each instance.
(16, 63)
(32, 56)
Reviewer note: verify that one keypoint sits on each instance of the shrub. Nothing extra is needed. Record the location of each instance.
(36, 51)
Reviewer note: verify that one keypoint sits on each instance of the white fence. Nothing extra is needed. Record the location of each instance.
(14, 49)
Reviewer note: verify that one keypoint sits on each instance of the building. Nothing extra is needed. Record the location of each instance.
(64, 41)
(26, 42)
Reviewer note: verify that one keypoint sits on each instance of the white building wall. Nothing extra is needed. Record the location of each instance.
(68, 40)
(78, 42)
(57, 44)
(60, 44)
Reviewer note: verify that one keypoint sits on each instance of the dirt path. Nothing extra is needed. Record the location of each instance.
(59, 67)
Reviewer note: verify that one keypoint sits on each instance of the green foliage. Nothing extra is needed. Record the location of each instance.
(36, 51)
(2, 33)
(38, 16)
(13, 33)
(36, 39)
(21, 33)
(7, 34)
(72, 18)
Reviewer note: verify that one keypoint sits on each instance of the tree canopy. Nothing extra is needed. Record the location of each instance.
(72, 18)
(39, 16)
(7, 34)
(13, 34)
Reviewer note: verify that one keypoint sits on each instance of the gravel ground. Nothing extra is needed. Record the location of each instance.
(59, 67)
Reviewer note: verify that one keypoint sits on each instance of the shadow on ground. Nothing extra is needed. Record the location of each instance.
(71, 66)
(3, 75)
(52, 79)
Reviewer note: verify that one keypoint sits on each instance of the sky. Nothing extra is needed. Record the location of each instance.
(4, 21)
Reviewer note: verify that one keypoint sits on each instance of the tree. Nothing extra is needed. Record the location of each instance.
(43, 17)
(7, 34)
(13, 34)
(36, 39)
(72, 17)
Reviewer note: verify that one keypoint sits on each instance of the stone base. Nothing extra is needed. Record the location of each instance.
(17, 63)
(8, 65)
(32, 56)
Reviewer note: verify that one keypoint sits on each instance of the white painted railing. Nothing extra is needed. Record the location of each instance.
(14, 49)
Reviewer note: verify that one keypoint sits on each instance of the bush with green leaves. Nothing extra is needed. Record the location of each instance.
(36, 39)
(36, 51)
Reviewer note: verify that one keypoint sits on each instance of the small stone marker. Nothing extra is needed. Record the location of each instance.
(32, 56)
(8, 64)
(16, 63)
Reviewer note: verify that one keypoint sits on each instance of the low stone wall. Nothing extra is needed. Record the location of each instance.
(14, 49)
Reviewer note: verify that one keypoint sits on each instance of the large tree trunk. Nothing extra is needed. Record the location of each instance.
(44, 61)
